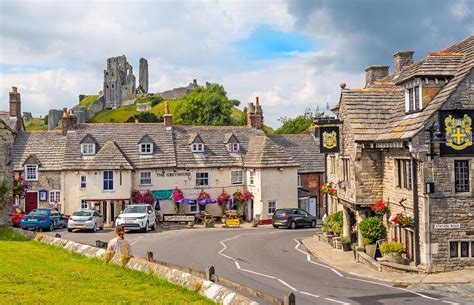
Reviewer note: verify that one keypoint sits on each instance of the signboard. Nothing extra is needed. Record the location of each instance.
(43, 195)
(178, 218)
(173, 174)
(447, 226)
(456, 126)
(162, 194)
(329, 139)
(232, 222)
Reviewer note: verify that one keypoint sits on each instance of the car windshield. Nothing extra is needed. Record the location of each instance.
(81, 213)
(130, 210)
(39, 212)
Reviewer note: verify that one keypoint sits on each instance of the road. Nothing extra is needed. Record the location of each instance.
(269, 260)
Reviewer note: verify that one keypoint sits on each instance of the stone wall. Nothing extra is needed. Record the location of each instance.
(47, 180)
(369, 176)
(177, 93)
(54, 116)
(6, 145)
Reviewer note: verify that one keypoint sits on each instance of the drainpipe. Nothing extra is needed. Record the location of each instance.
(416, 213)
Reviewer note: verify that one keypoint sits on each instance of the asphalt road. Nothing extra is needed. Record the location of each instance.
(269, 260)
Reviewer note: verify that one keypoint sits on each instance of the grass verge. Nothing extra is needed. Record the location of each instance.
(35, 273)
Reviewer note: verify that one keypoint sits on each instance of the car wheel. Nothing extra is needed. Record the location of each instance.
(153, 228)
(51, 226)
(101, 228)
(95, 229)
(146, 227)
(313, 224)
(24, 228)
(293, 225)
(275, 226)
(69, 230)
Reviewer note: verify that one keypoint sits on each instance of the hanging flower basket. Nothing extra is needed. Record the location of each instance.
(329, 188)
(20, 186)
(239, 198)
(148, 198)
(204, 195)
(223, 201)
(177, 195)
(248, 196)
(403, 221)
(380, 208)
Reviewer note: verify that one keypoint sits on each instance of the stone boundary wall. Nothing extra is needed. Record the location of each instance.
(213, 291)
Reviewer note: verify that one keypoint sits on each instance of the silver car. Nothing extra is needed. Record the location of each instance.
(85, 220)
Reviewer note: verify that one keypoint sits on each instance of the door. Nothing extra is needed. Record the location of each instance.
(31, 201)
(312, 206)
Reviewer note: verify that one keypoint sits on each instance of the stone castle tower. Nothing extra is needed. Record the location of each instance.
(119, 81)
(143, 75)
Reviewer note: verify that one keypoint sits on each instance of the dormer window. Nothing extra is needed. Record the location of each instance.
(31, 172)
(88, 149)
(413, 100)
(233, 147)
(146, 148)
(197, 147)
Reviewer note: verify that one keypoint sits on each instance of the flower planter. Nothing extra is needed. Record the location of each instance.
(346, 247)
(370, 250)
(394, 258)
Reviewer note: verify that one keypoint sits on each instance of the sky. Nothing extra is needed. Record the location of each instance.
(292, 54)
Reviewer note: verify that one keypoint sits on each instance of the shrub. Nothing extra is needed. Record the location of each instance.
(366, 241)
(391, 247)
(333, 223)
(46, 119)
(155, 101)
(145, 117)
(345, 240)
(372, 228)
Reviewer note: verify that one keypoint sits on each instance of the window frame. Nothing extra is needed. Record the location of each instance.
(333, 165)
(202, 179)
(197, 147)
(414, 97)
(35, 172)
(271, 208)
(345, 169)
(146, 148)
(142, 179)
(83, 182)
(298, 182)
(233, 147)
(232, 182)
(81, 206)
(459, 251)
(466, 185)
(108, 180)
(54, 194)
(404, 173)
(251, 177)
(85, 152)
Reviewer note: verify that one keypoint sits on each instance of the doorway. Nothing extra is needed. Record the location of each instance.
(31, 201)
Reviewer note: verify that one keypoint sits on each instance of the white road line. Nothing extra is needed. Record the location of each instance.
(340, 302)
(261, 274)
(310, 294)
(308, 258)
(287, 285)
(237, 265)
(448, 302)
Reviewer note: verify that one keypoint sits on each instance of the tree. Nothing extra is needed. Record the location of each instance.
(145, 117)
(300, 124)
(205, 106)
(45, 119)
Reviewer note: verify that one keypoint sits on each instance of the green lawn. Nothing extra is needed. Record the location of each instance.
(35, 273)
(35, 124)
(88, 100)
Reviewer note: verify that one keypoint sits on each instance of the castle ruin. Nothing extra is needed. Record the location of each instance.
(143, 75)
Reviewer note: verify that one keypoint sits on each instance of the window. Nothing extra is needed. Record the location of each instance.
(404, 173)
(146, 148)
(88, 149)
(299, 180)
(84, 205)
(252, 177)
(464, 248)
(202, 179)
(345, 169)
(193, 207)
(83, 182)
(333, 165)
(271, 207)
(197, 147)
(412, 97)
(145, 178)
(108, 180)
(233, 147)
(31, 172)
(54, 197)
(236, 177)
(461, 176)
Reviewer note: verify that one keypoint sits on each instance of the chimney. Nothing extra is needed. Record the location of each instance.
(401, 60)
(15, 104)
(255, 115)
(375, 73)
(69, 121)
(168, 117)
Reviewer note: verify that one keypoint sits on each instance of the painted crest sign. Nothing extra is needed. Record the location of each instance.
(456, 125)
(329, 139)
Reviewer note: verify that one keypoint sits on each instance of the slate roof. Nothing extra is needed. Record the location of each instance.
(118, 146)
(11, 123)
(304, 148)
(377, 113)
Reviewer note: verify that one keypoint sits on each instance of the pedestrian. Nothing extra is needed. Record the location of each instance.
(118, 245)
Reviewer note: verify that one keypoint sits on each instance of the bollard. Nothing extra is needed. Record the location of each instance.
(149, 256)
(101, 244)
(289, 298)
(57, 235)
(210, 273)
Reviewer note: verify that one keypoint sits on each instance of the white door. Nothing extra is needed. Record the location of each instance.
(312, 206)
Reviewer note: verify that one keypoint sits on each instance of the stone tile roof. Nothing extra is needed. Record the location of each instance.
(47, 148)
(377, 113)
(11, 123)
(304, 148)
(118, 145)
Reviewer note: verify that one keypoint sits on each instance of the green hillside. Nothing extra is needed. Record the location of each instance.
(35, 124)
(88, 100)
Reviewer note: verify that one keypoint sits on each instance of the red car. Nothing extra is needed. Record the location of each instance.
(17, 216)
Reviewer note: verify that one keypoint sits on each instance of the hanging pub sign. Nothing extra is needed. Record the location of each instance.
(456, 126)
(329, 139)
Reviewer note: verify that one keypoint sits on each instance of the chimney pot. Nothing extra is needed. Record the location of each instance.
(375, 73)
(401, 60)
(257, 102)
(167, 117)
(14, 89)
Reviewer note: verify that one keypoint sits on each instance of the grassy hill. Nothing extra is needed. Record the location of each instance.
(88, 100)
(35, 124)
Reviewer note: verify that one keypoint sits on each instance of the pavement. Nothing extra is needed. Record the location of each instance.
(345, 261)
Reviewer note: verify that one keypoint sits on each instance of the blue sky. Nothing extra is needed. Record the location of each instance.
(293, 54)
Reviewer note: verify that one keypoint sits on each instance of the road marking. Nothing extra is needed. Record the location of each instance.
(310, 294)
(448, 302)
(308, 258)
(340, 302)
(287, 285)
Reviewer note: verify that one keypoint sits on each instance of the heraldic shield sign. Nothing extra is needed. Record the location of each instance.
(329, 139)
(456, 126)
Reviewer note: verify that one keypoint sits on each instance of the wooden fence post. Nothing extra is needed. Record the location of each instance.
(289, 298)
(210, 273)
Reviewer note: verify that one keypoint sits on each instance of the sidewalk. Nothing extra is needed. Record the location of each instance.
(344, 261)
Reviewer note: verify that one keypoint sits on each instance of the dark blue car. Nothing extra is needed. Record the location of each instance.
(44, 218)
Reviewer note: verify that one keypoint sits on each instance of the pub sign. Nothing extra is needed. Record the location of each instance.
(329, 139)
(456, 127)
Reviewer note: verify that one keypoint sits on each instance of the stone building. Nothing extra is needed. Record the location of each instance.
(100, 165)
(406, 139)
(119, 82)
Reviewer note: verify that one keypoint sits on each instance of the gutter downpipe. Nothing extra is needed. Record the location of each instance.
(416, 213)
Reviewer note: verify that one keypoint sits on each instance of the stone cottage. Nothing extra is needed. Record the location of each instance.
(406, 139)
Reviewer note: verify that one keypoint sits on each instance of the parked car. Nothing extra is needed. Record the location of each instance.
(17, 216)
(293, 218)
(85, 220)
(137, 217)
(44, 218)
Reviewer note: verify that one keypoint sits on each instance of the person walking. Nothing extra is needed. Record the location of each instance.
(119, 245)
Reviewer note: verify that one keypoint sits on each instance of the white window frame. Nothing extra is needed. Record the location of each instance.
(144, 180)
(417, 84)
(194, 208)
(197, 147)
(234, 182)
(108, 179)
(271, 209)
(299, 180)
(87, 149)
(201, 178)
(84, 205)
(83, 182)
(146, 148)
(233, 147)
(31, 176)
(54, 196)
(252, 177)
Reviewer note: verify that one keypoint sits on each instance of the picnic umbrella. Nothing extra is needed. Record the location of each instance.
(207, 201)
(186, 201)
